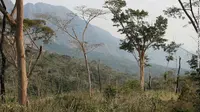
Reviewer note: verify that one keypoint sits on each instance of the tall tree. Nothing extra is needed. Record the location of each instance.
(140, 35)
(178, 76)
(21, 63)
(3, 57)
(99, 74)
(87, 15)
(17, 25)
(21, 60)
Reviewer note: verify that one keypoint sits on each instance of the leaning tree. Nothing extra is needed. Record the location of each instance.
(140, 34)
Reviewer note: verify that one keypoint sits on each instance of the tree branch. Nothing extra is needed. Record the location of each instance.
(14, 10)
(190, 18)
(8, 16)
(31, 71)
(192, 11)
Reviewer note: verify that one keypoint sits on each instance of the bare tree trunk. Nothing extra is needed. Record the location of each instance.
(166, 71)
(142, 71)
(21, 61)
(100, 86)
(77, 76)
(177, 80)
(149, 79)
(88, 71)
(3, 57)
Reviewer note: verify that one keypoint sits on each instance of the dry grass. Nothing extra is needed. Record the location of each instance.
(149, 101)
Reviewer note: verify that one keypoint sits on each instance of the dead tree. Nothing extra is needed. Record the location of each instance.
(178, 76)
(99, 74)
(87, 15)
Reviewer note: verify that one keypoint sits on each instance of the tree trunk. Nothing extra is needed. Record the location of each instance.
(77, 76)
(21, 61)
(88, 71)
(100, 85)
(3, 57)
(149, 80)
(166, 71)
(142, 71)
(177, 80)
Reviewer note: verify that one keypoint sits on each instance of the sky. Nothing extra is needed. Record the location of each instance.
(175, 32)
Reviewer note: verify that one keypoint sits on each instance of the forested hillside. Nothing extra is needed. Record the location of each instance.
(55, 60)
(108, 53)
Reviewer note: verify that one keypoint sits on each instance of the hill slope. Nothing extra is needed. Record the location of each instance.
(109, 54)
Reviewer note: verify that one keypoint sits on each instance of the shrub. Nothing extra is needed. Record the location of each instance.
(109, 93)
(131, 85)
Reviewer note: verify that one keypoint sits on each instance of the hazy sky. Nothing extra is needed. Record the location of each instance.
(154, 7)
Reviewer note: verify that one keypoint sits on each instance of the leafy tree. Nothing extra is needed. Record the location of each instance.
(193, 62)
(140, 35)
(38, 30)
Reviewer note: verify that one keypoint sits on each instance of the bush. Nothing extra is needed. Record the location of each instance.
(131, 85)
(109, 93)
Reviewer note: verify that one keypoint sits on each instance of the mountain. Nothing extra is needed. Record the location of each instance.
(109, 54)
(9, 5)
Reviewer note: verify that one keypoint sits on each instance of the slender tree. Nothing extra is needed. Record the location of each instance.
(140, 35)
(178, 76)
(17, 26)
(170, 49)
(21, 60)
(87, 15)
(99, 76)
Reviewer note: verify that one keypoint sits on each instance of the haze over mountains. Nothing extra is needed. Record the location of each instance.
(109, 54)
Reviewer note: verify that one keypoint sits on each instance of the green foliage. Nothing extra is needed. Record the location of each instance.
(187, 10)
(140, 35)
(193, 62)
(130, 86)
(38, 30)
(57, 74)
(110, 92)
(171, 49)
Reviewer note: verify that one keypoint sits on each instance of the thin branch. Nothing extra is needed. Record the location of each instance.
(135, 56)
(31, 71)
(192, 11)
(30, 37)
(8, 16)
(75, 33)
(190, 18)
(14, 10)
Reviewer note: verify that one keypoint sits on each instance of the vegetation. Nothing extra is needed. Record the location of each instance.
(140, 35)
(51, 82)
(88, 15)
